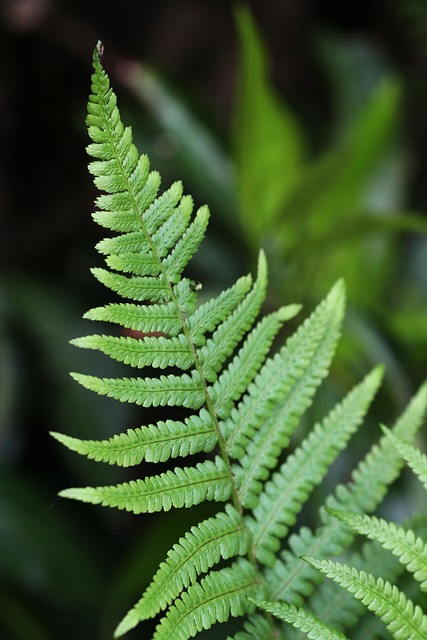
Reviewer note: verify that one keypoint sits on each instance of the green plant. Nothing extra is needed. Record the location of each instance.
(237, 407)
(403, 618)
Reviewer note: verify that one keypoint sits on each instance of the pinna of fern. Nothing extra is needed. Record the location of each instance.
(241, 405)
(403, 619)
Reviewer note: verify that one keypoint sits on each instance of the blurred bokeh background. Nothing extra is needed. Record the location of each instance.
(302, 124)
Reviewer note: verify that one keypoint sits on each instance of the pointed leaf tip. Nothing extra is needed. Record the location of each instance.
(262, 263)
(99, 49)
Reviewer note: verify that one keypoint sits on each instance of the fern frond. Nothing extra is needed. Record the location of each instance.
(290, 578)
(206, 318)
(301, 619)
(234, 380)
(184, 391)
(158, 352)
(220, 537)
(239, 402)
(147, 319)
(219, 595)
(153, 443)
(229, 333)
(290, 381)
(182, 487)
(413, 456)
(287, 491)
(336, 606)
(403, 619)
(138, 288)
(403, 543)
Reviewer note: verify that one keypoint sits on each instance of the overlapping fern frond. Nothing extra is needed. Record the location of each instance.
(403, 618)
(238, 408)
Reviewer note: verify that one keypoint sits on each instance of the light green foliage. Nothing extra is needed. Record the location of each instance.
(264, 124)
(409, 548)
(237, 409)
(333, 206)
(403, 618)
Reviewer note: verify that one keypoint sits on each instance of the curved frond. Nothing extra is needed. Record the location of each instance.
(228, 334)
(263, 429)
(336, 606)
(403, 543)
(233, 400)
(286, 492)
(220, 537)
(290, 578)
(182, 487)
(403, 619)
(219, 595)
(235, 379)
(153, 443)
(301, 619)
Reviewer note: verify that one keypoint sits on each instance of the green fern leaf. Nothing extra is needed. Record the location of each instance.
(177, 260)
(301, 619)
(289, 488)
(182, 487)
(290, 578)
(185, 390)
(404, 620)
(338, 607)
(229, 333)
(162, 318)
(158, 352)
(234, 380)
(217, 538)
(207, 317)
(218, 596)
(404, 544)
(235, 401)
(153, 443)
(139, 288)
(302, 364)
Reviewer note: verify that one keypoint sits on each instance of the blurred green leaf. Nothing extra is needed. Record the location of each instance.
(367, 143)
(267, 141)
